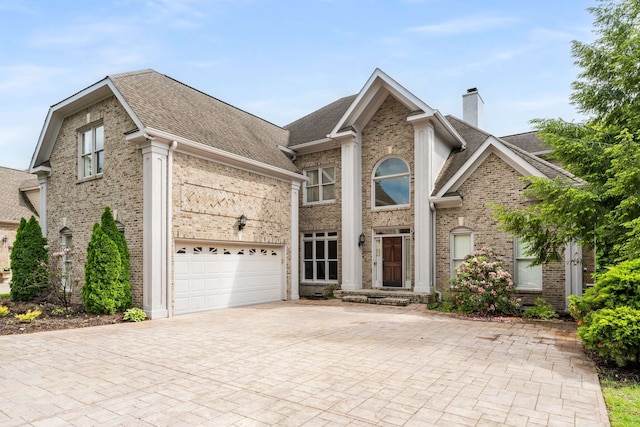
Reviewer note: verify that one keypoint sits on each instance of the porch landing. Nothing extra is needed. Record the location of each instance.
(400, 297)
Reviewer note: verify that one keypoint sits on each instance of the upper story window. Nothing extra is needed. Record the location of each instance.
(321, 185)
(91, 144)
(461, 246)
(391, 183)
(527, 276)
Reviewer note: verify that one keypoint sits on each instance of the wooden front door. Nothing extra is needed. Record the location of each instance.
(392, 261)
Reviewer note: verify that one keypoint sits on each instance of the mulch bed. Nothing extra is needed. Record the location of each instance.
(53, 318)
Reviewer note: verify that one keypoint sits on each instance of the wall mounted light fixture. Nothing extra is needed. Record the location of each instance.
(361, 239)
(243, 222)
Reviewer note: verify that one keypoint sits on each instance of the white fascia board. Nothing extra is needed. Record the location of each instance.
(378, 82)
(188, 146)
(315, 146)
(41, 170)
(446, 202)
(490, 145)
(58, 112)
(450, 129)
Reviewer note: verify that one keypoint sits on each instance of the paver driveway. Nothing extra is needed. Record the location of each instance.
(301, 363)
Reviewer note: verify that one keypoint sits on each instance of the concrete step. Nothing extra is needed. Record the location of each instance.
(363, 295)
(377, 300)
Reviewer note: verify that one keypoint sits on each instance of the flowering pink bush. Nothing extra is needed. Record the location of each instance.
(483, 285)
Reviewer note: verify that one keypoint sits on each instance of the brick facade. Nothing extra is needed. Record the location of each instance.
(78, 203)
(387, 134)
(494, 181)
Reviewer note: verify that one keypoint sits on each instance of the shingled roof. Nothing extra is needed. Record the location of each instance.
(318, 124)
(475, 138)
(13, 205)
(168, 105)
(528, 141)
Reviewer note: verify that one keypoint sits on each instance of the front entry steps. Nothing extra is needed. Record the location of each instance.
(382, 296)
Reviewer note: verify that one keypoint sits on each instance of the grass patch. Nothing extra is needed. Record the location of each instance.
(5, 295)
(623, 403)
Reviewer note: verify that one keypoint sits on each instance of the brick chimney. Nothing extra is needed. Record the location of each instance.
(472, 107)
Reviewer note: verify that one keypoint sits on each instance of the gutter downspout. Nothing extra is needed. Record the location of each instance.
(172, 148)
(432, 261)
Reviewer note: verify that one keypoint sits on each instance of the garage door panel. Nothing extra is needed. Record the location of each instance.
(218, 276)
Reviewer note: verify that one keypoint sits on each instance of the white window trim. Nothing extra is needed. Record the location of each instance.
(454, 232)
(67, 259)
(94, 159)
(538, 285)
(373, 185)
(320, 200)
(326, 238)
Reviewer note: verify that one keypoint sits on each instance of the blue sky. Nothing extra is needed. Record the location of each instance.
(281, 60)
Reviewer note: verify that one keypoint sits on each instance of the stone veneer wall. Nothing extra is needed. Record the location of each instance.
(494, 181)
(387, 134)
(208, 199)
(320, 216)
(78, 204)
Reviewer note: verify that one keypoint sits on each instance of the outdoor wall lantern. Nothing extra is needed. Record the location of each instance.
(243, 222)
(361, 239)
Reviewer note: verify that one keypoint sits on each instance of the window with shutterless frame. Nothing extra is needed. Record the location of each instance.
(320, 256)
(91, 151)
(321, 185)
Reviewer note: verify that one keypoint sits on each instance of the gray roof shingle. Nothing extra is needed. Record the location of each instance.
(13, 205)
(318, 124)
(165, 104)
(528, 141)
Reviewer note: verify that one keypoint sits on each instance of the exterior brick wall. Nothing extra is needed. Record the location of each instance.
(494, 181)
(388, 134)
(208, 199)
(321, 216)
(78, 203)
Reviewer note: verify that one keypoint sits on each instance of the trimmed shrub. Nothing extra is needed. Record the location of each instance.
(108, 224)
(483, 286)
(541, 309)
(29, 259)
(102, 285)
(134, 315)
(618, 286)
(613, 334)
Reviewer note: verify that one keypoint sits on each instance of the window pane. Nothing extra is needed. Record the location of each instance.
(320, 249)
(333, 270)
(308, 270)
(87, 146)
(328, 175)
(313, 177)
(456, 264)
(100, 163)
(99, 138)
(328, 192)
(521, 250)
(86, 162)
(333, 249)
(320, 273)
(308, 250)
(312, 194)
(394, 191)
(392, 166)
(461, 245)
(527, 277)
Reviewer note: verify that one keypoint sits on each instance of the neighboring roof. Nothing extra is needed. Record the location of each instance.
(528, 141)
(13, 205)
(168, 105)
(318, 124)
(475, 138)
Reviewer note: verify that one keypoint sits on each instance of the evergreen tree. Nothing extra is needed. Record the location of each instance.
(108, 225)
(603, 209)
(29, 258)
(102, 285)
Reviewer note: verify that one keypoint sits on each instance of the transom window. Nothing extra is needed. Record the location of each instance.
(320, 256)
(321, 185)
(527, 276)
(461, 246)
(391, 183)
(91, 142)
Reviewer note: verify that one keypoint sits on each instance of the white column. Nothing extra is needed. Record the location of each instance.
(351, 213)
(154, 212)
(572, 270)
(423, 143)
(295, 236)
(43, 179)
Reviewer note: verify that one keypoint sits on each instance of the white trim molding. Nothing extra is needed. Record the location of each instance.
(351, 213)
(294, 253)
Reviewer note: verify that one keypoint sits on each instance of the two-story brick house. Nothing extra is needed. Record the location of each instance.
(221, 208)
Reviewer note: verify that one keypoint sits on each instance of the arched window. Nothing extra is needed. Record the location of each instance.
(391, 183)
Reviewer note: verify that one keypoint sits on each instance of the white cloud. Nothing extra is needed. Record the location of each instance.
(469, 24)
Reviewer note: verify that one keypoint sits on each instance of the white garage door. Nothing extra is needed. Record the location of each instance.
(212, 276)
